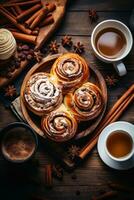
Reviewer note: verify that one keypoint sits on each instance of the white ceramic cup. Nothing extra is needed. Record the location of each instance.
(117, 62)
(126, 158)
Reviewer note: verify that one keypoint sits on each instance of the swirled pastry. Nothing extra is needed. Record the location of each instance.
(7, 44)
(71, 71)
(59, 125)
(42, 94)
(86, 102)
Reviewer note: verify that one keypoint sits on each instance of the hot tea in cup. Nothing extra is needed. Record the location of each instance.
(110, 42)
(119, 144)
(116, 145)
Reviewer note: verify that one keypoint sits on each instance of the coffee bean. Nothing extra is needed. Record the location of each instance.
(19, 48)
(26, 52)
(25, 47)
(31, 51)
(29, 57)
(17, 64)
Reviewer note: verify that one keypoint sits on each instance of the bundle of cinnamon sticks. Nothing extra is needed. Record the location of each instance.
(27, 17)
(113, 115)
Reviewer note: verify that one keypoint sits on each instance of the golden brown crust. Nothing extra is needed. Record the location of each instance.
(59, 125)
(71, 71)
(42, 94)
(86, 102)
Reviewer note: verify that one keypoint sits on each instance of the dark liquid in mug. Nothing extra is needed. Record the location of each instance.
(119, 144)
(18, 145)
(110, 42)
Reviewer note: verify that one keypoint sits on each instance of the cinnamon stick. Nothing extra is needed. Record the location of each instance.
(26, 3)
(14, 11)
(24, 37)
(106, 195)
(49, 20)
(14, 22)
(13, 29)
(51, 7)
(48, 175)
(38, 19)
(18, 9)
(26, 13)
(112, 116)
(30, 20)
(43, 13)
(7, 12)
(122, 98)
(121, 188)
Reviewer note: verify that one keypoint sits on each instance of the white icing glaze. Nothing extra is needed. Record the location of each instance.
(41, 93)
(7, 44)
(71, 67)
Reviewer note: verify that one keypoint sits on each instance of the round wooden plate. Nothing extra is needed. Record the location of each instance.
(84, 128)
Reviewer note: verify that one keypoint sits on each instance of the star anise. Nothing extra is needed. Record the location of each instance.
(10, 91)
(9, 75)
(111, 80)
(53, 47)
(11, 69)
(57, 172)
(93, 15)
(73, 151)
(66, 41)
(79, 48)
(38, 56)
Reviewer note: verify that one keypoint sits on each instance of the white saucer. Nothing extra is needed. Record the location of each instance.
(121, 125)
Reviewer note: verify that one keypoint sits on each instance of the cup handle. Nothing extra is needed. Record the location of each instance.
(120, 68)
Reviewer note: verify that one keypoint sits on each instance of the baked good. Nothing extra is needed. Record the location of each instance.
(86, 102)
(42, 94)
(59, 125)
(7, 44)
(71, 71)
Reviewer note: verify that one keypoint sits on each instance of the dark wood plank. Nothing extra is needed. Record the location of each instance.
(101, 5)
(78, 23)
(92, 176)
(89, 55)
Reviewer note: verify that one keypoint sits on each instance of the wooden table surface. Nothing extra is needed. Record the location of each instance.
(93, 175)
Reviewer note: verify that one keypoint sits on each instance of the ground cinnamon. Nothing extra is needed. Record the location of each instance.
(27, 12)
(24, 37)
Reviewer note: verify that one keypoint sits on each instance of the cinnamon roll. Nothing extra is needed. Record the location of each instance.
(42, 94)
(71, 71)
(86, 102)
(59, 125)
